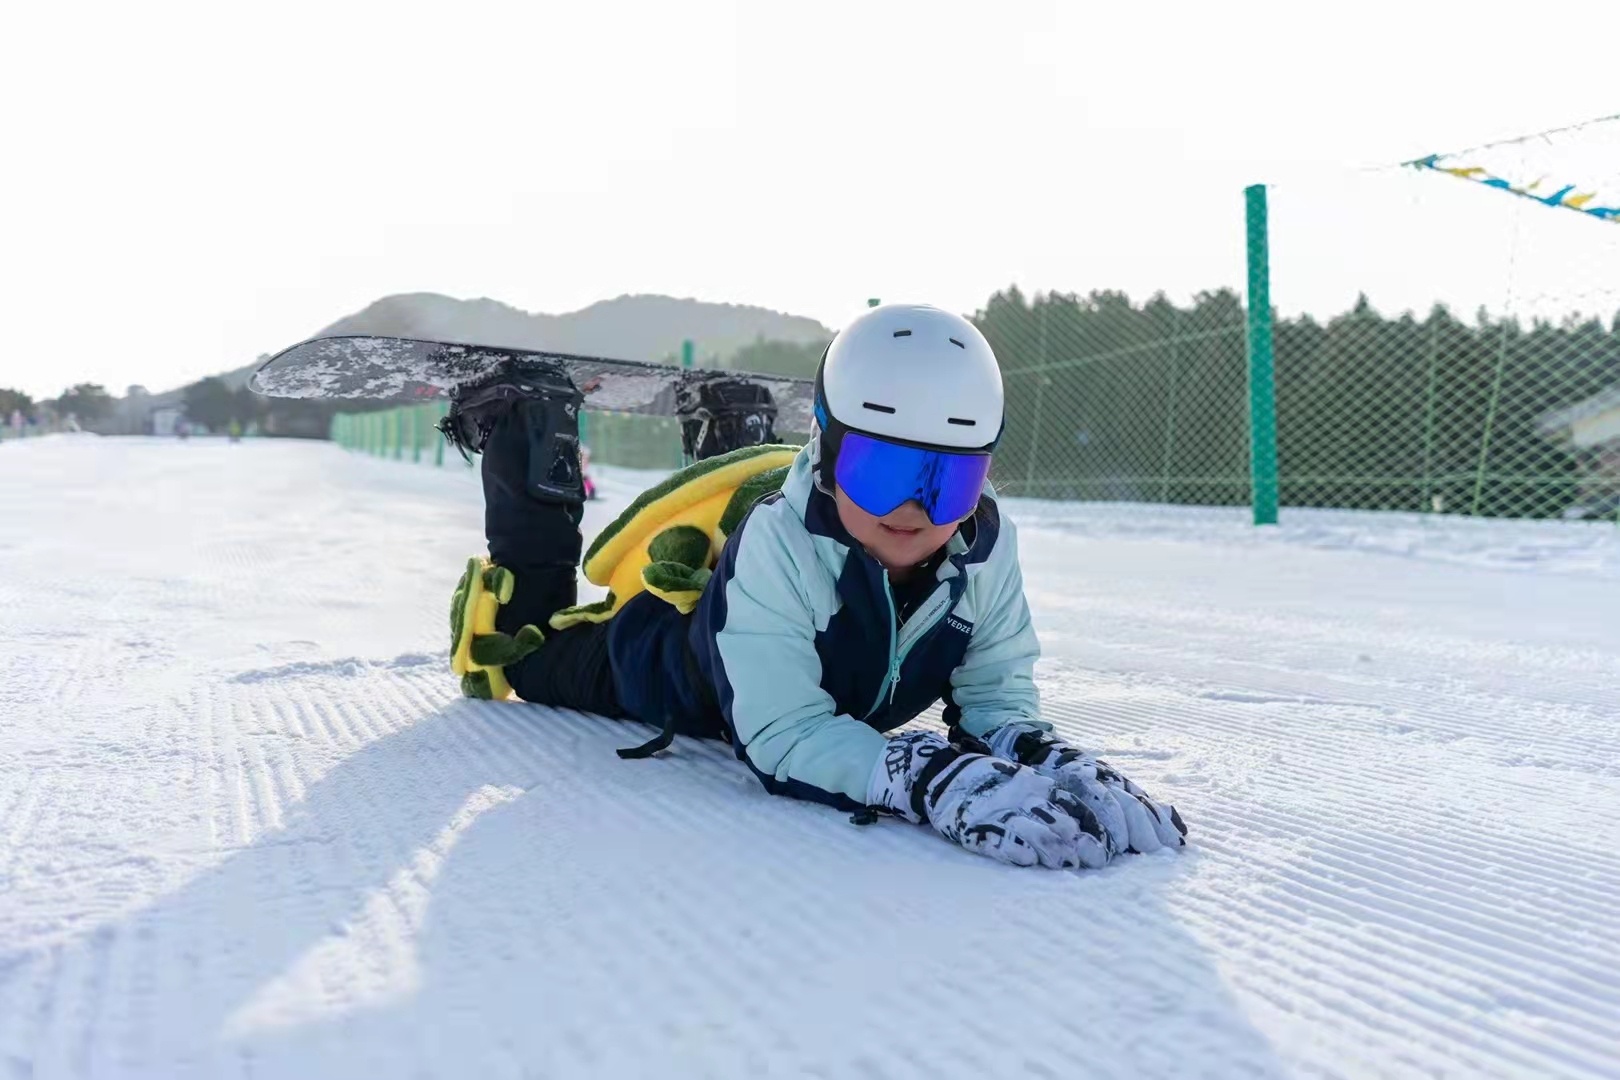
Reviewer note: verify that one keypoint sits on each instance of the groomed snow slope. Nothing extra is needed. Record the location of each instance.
(248, 828)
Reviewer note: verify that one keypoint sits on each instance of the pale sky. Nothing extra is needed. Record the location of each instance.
(188, 185)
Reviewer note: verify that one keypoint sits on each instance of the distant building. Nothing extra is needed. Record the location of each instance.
(1590, 430)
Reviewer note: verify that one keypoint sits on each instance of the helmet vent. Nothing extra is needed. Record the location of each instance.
(883, 408)
(902, 333)
(959, 420)
(958, 344)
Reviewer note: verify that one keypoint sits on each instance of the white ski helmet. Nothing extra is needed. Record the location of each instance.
(910, 373)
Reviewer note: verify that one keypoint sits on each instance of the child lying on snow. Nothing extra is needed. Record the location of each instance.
(857, 582)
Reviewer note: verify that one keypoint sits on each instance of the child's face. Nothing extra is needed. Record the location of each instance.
(899, 539)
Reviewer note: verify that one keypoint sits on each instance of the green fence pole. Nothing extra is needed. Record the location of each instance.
(1035, 434)
(1262, 379)
(1426, 502)
(686, 353)
(1170, 421)
(1040, 393)
(1490, 419)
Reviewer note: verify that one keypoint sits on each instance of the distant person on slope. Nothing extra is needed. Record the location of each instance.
(875, 579)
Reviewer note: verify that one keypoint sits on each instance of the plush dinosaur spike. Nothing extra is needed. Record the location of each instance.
(600, 611)
(676, 583)
(748, 493)
(686, 544)
(478, 651)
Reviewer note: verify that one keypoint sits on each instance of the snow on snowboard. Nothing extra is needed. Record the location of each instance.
(410, 370)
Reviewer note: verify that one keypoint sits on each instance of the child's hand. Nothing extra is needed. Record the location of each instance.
(1134, 822)
(994, 807)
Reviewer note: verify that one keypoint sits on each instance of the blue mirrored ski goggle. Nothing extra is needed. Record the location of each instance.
(881, 476)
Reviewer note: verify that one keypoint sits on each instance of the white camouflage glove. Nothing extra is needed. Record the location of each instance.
(994, 807)
(1134, 822)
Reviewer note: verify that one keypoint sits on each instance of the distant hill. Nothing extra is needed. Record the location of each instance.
(629, 327)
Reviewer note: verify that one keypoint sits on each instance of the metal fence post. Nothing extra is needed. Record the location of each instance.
(1170, 418)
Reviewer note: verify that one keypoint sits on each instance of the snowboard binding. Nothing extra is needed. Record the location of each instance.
(720, 414)
(548, 405)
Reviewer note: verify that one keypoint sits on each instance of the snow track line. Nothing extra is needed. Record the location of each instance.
(20, 814)
(1326, 772)
(1421, 659)
(1571, 984)
(1358, 859)
(1332, 970)
(1353, 858)
(1383, 882)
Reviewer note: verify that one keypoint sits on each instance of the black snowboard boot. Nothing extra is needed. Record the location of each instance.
(546, 402)
(524, 419)
(721, 413)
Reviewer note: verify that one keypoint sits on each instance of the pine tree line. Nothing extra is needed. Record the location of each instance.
(1113, 400)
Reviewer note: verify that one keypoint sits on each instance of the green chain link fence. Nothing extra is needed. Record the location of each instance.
(1109, 400)
(410, 432)
(635, 442)
(404, 433)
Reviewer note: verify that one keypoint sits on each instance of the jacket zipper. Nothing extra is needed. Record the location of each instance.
(892, 682)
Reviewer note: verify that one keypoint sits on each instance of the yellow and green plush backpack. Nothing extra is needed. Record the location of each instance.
(665, 542)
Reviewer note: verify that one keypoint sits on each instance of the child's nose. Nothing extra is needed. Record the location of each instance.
(910, 515)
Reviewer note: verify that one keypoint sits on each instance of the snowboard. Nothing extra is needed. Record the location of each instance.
(406, 370)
